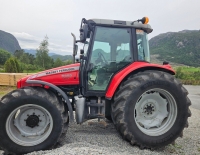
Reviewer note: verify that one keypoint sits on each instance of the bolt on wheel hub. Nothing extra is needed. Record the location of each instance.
(32, 121)
(149, 109)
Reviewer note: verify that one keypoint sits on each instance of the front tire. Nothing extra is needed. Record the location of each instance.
(31, 119)
(150, 109)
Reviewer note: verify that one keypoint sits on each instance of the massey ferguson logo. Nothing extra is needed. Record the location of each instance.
(63, 70)
(60, 71)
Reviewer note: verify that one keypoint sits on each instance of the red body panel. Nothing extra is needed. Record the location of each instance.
(117, 79)
(65, 75)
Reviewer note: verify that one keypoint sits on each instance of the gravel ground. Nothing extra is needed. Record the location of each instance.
(96, 139)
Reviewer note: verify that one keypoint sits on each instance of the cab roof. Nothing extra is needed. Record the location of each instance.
(107, 22)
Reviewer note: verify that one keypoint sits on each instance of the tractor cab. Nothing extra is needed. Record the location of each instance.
(110, 46)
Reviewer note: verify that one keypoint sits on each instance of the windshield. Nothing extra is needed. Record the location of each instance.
(143, 46)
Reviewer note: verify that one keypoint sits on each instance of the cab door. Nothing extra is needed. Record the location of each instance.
(111, 50)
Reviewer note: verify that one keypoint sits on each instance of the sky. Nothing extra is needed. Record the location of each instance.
(31, 20)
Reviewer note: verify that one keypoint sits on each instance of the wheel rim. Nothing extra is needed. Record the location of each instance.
(29, 125)
(155, 112)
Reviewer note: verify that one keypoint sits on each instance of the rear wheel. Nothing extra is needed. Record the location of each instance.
(150, 109)
(31, 119)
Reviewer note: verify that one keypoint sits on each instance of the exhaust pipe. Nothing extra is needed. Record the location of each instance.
(75, 48)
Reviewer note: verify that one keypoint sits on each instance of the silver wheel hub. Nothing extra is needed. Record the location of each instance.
(29, 125)
(152, 112)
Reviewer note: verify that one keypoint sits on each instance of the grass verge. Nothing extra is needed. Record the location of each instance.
(6, 89)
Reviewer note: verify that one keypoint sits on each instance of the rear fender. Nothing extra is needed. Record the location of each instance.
(133, 69)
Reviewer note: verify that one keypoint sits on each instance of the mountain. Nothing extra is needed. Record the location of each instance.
(33, 52)
(180, 47)
(62, 57)
(52, 55)
(8, 42)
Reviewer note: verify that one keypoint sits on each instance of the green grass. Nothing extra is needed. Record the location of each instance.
(188, 75)
(190, 69)
(6, 89)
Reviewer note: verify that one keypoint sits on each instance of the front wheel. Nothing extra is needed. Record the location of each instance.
(31, 119)
(150, 109)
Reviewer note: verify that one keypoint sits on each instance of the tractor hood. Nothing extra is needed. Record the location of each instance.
(65, 75)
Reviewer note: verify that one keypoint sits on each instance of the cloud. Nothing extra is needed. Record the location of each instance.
(32, 20)
(60, 49)
(28, 41)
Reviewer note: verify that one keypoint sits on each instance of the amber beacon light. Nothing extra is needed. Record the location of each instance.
(145, 20)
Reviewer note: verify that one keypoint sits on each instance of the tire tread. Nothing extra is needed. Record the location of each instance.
(118, 106)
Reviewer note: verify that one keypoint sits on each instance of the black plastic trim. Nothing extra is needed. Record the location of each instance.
(85, 75)
(135, 49)
(59, 91)
(109, 98)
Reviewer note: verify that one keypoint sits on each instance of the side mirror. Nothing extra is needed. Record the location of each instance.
(75, 49)
(77, 60)
(81, 51)
(83, 33)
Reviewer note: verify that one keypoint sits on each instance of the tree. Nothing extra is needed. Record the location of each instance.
(42, 58)
(4, 55)
(31, 58)
(18, 53)
(25, 58)
(58, 63)
(68, 62)
(12, 65)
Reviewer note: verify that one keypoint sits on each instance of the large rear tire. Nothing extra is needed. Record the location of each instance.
(150, 109)
(31, 119)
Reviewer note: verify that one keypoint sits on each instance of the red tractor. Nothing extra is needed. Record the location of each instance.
(114, 80)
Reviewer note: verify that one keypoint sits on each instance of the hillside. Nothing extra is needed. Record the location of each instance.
(52, 55)
(8, 42)
(180, 47)
(33, 52)
(62, 57)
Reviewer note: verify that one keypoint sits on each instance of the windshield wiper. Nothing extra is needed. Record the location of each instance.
(143, 53)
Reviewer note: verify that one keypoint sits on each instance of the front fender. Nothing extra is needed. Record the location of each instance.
(59, 91)
(133, 68)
